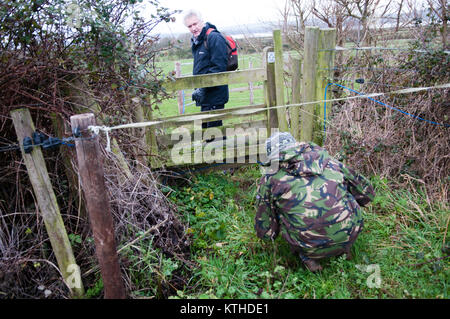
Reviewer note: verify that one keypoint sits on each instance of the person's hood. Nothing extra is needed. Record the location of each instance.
(302, 160)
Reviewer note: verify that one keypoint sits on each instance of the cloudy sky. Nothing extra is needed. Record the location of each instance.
(223, 13)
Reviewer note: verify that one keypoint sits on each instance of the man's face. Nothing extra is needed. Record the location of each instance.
(195, 25)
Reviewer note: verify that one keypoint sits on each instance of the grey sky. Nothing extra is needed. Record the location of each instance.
(223, 13)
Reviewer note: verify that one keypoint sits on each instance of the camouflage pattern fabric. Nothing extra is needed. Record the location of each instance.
(314, 201)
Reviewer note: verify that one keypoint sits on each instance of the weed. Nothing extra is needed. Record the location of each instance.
(74, 239)
(151, 273)
(401, 229)
(96, 290)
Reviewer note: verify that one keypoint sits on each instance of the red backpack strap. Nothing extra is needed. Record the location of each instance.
(227, 40)
(206, 38)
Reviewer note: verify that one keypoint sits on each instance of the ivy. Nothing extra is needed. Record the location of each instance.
(107, 38)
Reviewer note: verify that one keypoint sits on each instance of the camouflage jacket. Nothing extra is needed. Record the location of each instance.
(313, 200)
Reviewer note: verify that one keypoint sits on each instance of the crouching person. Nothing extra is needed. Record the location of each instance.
(311, 198)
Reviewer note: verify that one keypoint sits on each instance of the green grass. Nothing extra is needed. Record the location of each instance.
(403, 243)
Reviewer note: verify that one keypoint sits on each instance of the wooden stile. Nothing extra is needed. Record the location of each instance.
(309, 81)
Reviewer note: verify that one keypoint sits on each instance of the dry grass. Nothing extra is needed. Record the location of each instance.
(28, 268)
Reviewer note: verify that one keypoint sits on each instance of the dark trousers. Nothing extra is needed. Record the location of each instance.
(210, 108)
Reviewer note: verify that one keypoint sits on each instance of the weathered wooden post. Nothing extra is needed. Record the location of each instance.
(141, 145)
(324, 75)
(250, 85)
(294, 112)
(179, 93)
(279, 82)
(308, 83)
(270, 94)
(151, 137)
(126, 172)
(92, 180)
(48, 205)
(72, 176)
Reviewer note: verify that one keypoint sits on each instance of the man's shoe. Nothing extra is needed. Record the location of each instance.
(312, 265)
(349, 255)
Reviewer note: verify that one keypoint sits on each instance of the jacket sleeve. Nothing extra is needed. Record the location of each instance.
(358, 186)
(217, 47)
(266, 220)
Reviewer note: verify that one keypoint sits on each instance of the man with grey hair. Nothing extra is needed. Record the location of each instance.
(312, 199)
(209, 49)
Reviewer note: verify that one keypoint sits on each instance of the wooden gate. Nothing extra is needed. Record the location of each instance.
(179, 140)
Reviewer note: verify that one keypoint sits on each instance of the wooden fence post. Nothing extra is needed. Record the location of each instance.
(325, 66)
(308, 83)
(72, 176)
(92, 179)
(125, 169)
(151, 137)
(294, 112)
(250, 85)
(141, 146)
(269, 88)
(48, 205)
(179, 93)
(279, 81)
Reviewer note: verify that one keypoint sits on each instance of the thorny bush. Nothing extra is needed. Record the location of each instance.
(59, 58)
(385, 142)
